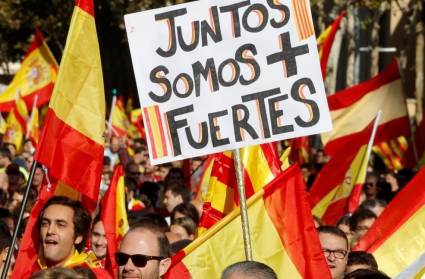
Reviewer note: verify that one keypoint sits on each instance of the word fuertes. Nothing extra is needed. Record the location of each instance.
(202, 31)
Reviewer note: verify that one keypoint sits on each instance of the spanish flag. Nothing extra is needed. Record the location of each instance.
(114, 217)
(300, 149)
(16, 123)
(33, 130)
(36, 76)
(393, 152)
(397, 238)
(120, 122)
(261, 165)
(338, 185)
(354, 108)
(325, 42)
(282, 236)
(137, 121)
(71, 144)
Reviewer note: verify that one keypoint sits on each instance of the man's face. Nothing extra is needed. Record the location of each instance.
(171, 201)
(57, 234)
(370, 186)
(363, 226)
(142, 242)
(98, 240)
(38, 177)
(115, 144)
(333, 247)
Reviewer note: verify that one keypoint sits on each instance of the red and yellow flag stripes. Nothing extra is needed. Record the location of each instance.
(156, 133)
(326, 40)
(282, 236)
(261, 165)
(341, 179)
(396, 239)
(354, 108)
(35, 77)
(71, 145)
(114, 217)
(16, 123)
(303, 20)
(120, 122)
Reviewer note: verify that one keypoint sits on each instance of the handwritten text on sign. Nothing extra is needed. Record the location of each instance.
(218, 75)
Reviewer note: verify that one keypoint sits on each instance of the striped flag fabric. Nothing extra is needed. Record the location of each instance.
(261, 165)
(71, 145)
(75, 121)
(396, 239)
(354, 108)
(33, 130)
(392, 152)
(155, 127)
(114, 217)
(415, 270)
(338, 185)
(120, 122)
(326, 40)
(36, 76)
(285, 241)
(16, 123)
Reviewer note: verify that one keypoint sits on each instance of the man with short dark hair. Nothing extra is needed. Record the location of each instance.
(144, 253)
(360, 260)
(360, 223)
(64, 226)
(174, 195)
(98, 241)
(248, 270)
(335, 248)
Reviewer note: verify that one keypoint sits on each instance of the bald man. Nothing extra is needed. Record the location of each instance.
(144, 253)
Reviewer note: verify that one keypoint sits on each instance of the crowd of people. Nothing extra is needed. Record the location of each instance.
(163, 216)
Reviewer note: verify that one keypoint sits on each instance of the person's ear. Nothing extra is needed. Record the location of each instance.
(78, 240)
(164, 265)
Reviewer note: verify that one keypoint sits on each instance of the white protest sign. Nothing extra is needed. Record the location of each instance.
(224, 74)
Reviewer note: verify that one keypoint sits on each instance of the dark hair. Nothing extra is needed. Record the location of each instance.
(175, 175)
(5, 152)
(372, 203)
(250, 268)
(344, 220)
(163, 243)
(360, 215)
(55, 273)
(179, 245)
(5, 237)
(81, 218)
(362, 258)
(3, 197)
(96, 219)
(186, 209)
(366, 274)
(333, 231)
(84, 273)
(179, 189)
(186, 223)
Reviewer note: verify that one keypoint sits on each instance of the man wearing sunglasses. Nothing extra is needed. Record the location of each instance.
(335, 248)
(144, 253)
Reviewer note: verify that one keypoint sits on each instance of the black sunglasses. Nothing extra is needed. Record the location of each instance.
(138, 260)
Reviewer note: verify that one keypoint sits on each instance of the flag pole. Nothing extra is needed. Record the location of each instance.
(372, 136)
(242, 204)
(19, 221)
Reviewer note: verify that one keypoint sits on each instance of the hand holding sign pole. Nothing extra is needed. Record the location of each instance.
(220, 75)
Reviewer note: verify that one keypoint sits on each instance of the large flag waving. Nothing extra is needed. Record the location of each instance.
(16, 123)
(396, 239)
(282, 235)
(114, 217)
(354, 108)
(261, 165)
(36, 76)
(340, 180)
(326, 40)
(71, 145)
